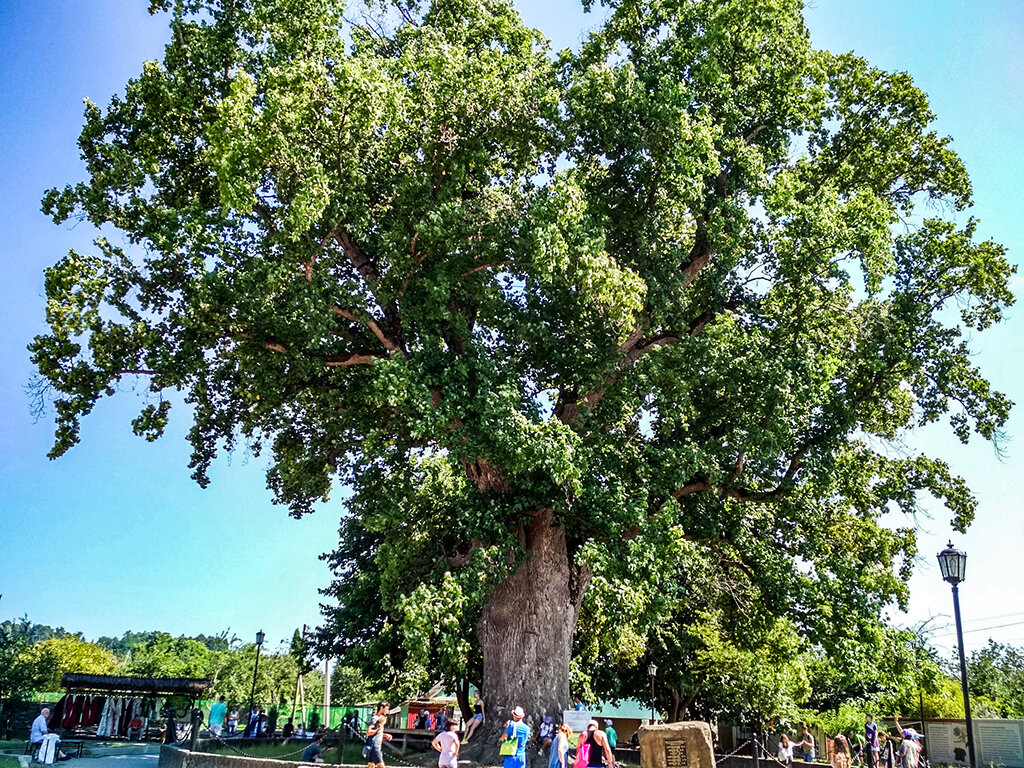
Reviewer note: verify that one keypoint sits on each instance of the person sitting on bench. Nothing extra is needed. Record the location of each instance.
(39, 729)
(38, 733)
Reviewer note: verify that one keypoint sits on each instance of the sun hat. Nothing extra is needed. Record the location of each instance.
(518, 712)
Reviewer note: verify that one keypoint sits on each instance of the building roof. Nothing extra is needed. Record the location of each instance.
(186, 686)
(627, 708)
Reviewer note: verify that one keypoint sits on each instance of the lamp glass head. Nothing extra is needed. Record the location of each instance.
(952, 564)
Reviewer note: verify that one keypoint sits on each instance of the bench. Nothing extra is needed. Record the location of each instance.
(67, 747)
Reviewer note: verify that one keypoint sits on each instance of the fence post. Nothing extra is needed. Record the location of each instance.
(197, 722)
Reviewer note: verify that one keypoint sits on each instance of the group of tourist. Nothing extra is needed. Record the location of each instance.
(259, 726)
(219, 715)
(430, 721)
(788, 745)
(875, 749)
(594, 749)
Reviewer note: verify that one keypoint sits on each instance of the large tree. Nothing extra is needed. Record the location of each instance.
(16, 673)
(534, 310)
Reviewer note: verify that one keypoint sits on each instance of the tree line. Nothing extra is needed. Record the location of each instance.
(33, 657)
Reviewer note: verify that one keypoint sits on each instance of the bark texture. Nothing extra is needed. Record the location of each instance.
(527, 626)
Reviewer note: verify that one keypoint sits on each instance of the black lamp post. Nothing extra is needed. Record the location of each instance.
(252, 696)
(953, 563)
(652, 670)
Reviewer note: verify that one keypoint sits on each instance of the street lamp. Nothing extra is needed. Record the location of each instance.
(652, 670)
(252, 696)
(953, 563)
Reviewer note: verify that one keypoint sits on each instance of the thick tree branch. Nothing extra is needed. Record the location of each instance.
(272, 344)
(367, 270)
(635, 344)
(355, 358)
(348, 314)
(631, 350)
(485, 266)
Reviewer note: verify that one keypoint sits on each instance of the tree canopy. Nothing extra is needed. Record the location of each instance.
(997, 673)
(586, 334)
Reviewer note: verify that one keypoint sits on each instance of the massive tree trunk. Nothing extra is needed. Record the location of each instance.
(527, 626)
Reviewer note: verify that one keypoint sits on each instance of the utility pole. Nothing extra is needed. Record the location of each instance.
(327, 693)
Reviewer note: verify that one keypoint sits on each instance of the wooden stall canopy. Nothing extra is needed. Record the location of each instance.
(162, 686)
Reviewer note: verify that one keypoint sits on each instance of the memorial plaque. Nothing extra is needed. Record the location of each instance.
(676, 745)
(675, 754)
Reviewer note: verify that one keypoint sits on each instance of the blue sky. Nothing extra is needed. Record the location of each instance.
(115, 536)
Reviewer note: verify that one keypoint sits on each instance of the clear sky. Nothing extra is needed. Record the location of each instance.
(115, 536)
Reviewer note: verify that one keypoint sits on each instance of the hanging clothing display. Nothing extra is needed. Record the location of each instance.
(85, 722)
(91, 712)
(57, 716)
(108, 718)
(97, 708)
(101, 724)
(69, 711)
(122, 721)
(76, 716)
(150, 708)
(107, 714)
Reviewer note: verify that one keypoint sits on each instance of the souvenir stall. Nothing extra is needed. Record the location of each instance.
(111, 707)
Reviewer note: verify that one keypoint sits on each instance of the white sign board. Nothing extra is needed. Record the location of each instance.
(946, 743)
(996, 742)
(577, 719)
(1000, 742)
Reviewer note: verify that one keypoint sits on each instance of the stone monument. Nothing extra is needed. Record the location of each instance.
(676, 745)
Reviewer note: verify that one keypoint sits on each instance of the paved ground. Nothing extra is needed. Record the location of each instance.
(113, 761)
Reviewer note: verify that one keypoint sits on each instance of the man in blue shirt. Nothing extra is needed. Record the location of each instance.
(520, 731)
(217, 712)
(38, 730)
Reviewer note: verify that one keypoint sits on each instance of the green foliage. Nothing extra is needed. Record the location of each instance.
(16, 674)
(166, 656)
(997, 673)
(232, 675)
(51, 658)
(130, 640)
(848, 717)
(349, 686)
(675, 283)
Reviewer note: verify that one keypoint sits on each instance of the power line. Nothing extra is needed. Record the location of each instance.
(1000, 616)
(984, 629)
(950, 625)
